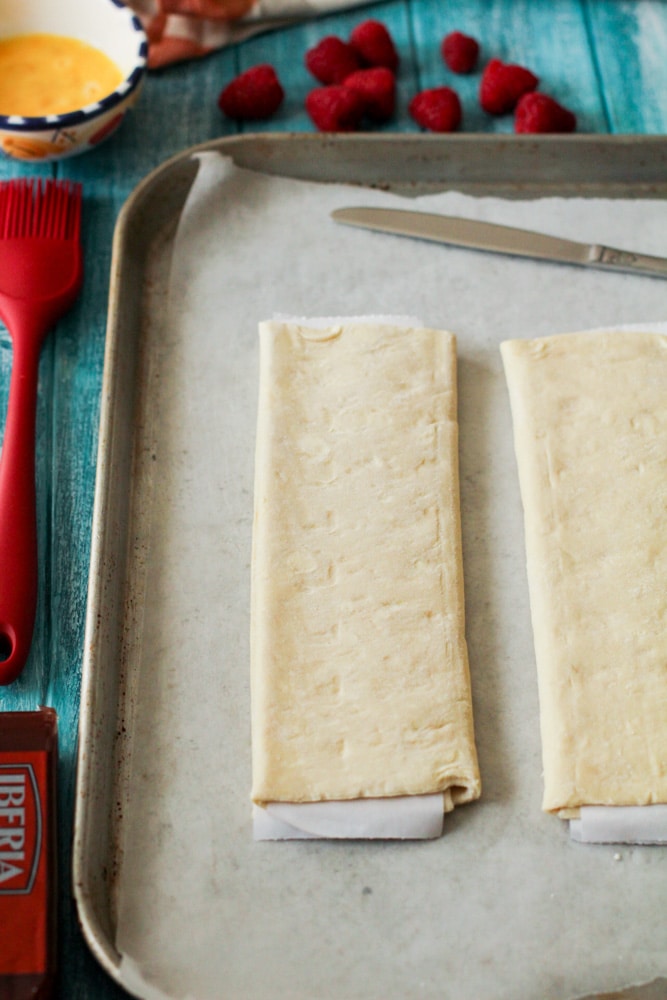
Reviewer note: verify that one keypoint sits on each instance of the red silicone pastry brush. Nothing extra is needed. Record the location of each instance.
(40, 277)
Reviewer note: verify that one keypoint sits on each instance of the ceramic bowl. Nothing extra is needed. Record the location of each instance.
(109, 26)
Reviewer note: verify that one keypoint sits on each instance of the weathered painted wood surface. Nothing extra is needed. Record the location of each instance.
(606, 59)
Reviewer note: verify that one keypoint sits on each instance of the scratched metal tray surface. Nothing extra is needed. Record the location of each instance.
(316, 920)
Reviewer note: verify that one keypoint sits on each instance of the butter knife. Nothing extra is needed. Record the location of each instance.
(475, 235)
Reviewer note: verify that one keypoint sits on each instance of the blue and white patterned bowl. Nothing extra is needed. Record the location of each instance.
(109, 26)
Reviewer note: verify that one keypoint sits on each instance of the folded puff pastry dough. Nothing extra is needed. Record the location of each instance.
(360, 684)
(590, 427)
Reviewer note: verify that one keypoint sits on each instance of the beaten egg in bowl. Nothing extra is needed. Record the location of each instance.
(69, 72)
(44, 74)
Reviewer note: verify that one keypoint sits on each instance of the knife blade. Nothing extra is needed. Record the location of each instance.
(475, 235)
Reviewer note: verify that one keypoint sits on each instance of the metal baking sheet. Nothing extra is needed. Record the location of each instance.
(445, 919)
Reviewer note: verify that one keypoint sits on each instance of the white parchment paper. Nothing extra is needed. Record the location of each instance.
(504, 906)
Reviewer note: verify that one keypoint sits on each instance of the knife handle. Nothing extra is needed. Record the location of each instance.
(634, 263)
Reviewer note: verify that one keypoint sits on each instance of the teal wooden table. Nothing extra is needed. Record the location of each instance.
(605, 59)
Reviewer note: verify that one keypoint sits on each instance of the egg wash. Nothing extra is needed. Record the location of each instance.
(44, 74)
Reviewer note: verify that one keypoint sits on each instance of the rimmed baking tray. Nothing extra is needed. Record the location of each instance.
(315, 920)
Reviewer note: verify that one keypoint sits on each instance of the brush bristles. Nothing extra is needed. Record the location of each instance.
(43, 209)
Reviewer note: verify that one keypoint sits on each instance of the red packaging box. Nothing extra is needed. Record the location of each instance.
(28, 763)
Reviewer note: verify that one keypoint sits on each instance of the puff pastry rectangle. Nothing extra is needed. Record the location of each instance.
(360, 684)
(590, 427)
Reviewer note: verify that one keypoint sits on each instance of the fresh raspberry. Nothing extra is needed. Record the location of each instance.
(503, 84)
(437, 109)
(374, 45)
(336, 108)
(377, 86)
(540, 113)
(331, 60)
(460, 52)
(252, 95)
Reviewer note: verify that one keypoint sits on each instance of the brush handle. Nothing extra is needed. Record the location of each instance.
(18, 513)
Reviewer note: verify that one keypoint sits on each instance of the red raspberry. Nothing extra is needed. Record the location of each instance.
(460, 52)
(539, 113)
(377, 86)
(331, 60)
(252, 95)
(374, 45)
(335, 108)
(437, 109)
(502, 85)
